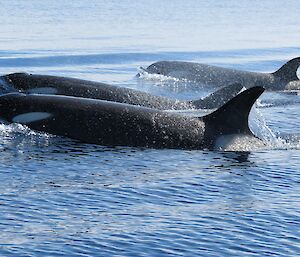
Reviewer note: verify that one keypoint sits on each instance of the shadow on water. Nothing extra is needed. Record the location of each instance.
(239, 157)
(25, 149)
(89, 193)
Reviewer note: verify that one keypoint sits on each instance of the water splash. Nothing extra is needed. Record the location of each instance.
(5, 87)
(261, 104)
(144, 74)
(16, 130)
(273, 140)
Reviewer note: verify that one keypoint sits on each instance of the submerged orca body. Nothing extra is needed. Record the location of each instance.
(283, 79)
(112, 124)
(44, 84)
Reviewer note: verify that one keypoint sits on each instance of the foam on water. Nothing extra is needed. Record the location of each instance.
(272, 140)
(142, 73)
(59, 197)
(10, 130)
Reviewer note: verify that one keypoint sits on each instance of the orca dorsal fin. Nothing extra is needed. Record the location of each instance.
(288, 72)
(232, 117)
(218, 98)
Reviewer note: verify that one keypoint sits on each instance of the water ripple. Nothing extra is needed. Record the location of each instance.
(59, 197)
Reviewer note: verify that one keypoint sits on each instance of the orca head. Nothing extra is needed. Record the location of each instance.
(9, 99)
(160, 68)
(8, 104)
(6, 86)
(18, 81)
(15, 108)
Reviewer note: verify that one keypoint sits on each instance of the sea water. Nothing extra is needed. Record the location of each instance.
(59, 197)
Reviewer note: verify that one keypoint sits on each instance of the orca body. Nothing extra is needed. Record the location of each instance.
(116, 124)
(283, 79)
(44, 84)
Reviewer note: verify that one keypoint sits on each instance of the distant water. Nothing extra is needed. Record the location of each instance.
(59, 197)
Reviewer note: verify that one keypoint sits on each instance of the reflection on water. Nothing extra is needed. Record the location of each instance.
(61, 197)
(124, 200)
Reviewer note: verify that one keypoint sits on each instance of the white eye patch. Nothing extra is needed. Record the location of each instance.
(43, 90)
(31, 117)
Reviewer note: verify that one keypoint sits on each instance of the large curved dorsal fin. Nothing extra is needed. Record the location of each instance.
(218, 98)
(232, 117)
(288, 72)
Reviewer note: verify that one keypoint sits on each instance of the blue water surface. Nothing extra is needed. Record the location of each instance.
(59, 197)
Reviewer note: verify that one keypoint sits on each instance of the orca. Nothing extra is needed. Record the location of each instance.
(117, 124)
(44, 84)
(284, 78)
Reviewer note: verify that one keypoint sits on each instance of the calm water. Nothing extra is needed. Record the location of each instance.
(60, 197)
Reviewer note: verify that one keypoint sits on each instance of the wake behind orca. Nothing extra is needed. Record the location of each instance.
(116, 124)
(284, 78)
(44, 84)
